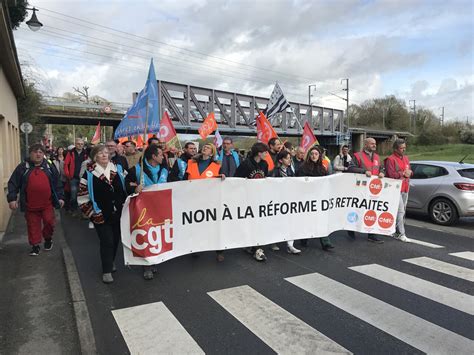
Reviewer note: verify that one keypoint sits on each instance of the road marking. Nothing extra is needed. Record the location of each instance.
(445, 268)
(415, 331)
(435, 292)
(279, 329)
(469, 255)
(426, 244)
(153, 329)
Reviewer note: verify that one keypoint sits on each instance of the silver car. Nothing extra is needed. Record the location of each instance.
(443, 190)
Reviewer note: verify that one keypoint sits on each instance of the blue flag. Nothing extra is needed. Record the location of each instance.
(133, 123)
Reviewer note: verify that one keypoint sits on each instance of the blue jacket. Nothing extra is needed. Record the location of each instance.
(19, 180)
(220, 157)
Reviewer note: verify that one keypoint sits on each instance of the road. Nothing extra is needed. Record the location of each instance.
(361, 298)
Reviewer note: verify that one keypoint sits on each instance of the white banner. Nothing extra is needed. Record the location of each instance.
(169, 220)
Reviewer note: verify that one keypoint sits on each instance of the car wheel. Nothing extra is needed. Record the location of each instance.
(444, 212)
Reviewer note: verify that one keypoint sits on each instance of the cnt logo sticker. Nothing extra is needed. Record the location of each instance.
(385, 220)
(352, 217)
(151, 227)
(375, 186)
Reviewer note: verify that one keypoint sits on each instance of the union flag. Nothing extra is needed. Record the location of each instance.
(265, 131)
(208, 126)
(308, 139)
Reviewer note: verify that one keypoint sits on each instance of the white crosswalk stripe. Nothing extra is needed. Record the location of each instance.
(469, 255)
(426, 244)
(435, 292)
(279, 329)
(443, 267)
(153, 329)
(409, 328)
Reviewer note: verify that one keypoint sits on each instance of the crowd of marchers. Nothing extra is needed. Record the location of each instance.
(93, 183)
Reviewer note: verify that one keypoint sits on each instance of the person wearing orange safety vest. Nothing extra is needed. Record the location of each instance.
(205, 166)
(367, 162)
(398, 167)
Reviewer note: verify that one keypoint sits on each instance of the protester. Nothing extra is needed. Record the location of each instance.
(131, 154)
(298, 159)
(101, 196)
(181, 164)
(274, 145)
(313, 166)
(397, 166)
(40, 188)
(342, 160)
(120, 149)
(203, 165)
(228, 158)
(59, 163)
(153, 173)
(284, 169)
(326, 161)
(367, 162)
(116, 158)
(72, 168)
(255, 167)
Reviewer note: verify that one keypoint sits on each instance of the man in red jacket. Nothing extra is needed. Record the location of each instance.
(72, 168)
(397, 166)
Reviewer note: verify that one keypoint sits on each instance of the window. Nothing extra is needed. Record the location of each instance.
(467, 173)
(422, 171)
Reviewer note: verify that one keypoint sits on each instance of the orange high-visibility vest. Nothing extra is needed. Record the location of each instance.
(193, 170)
(368, 165)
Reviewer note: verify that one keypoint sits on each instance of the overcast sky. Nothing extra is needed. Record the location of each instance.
(416, 50)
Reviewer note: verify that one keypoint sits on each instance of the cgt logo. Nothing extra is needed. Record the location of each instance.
(370, 217)
(151, 227)
(375, 186)
(352, 217)
(386, 220)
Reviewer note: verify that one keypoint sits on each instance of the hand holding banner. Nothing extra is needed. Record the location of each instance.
(208, 126)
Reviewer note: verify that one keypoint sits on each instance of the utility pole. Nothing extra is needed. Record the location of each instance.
(309, 93)
(414, 115)
(347, 102)
(442, 116)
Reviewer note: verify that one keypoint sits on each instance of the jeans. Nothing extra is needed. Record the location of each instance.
(109, 236)
(402, 205)
(74, 183)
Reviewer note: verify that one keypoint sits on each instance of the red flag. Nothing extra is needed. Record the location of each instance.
(308, 139)
(265, 131)
(167, 132)
(140, 141)
(208, 126)
(96, 138)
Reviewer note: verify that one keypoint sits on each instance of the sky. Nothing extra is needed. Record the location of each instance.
(415, 50)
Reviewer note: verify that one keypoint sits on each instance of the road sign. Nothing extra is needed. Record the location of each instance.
(26, 127)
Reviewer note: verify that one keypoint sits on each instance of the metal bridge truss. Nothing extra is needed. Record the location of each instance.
(235, 113)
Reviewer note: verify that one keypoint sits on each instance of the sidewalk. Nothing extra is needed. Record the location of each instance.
(36, 307)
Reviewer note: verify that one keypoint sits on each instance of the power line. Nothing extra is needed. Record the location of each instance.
(169, 45)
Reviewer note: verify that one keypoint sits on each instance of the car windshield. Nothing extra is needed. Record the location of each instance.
(467, 173)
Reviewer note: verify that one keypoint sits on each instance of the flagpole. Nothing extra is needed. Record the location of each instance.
(142, 177)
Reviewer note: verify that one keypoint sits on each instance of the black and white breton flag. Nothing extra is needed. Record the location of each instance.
(278, 103)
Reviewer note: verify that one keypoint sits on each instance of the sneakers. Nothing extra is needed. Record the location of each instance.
(374, 239)
(403, 238)
(259, 255)
(35, 250)
(107, 278)
(91, 225)
(148, 274)
(48, 244)
(292, 250)
(275, 247)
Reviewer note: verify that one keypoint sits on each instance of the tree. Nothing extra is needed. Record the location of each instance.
(28, 107)
(17, 12)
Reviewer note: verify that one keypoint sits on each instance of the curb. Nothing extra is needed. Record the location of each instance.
(81, 312)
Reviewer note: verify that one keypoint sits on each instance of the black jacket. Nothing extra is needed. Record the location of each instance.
(19, 180)
(120, 160)
(278, 173)
(250, 169)
(307, 170)
(174, 173)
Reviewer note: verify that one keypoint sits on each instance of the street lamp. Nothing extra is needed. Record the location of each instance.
(33, 23)
(309, 93)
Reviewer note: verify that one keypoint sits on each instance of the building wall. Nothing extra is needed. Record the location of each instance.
(9, 143)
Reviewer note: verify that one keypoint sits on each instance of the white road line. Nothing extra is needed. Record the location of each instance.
(279, 329)
(153, 329)
(415, 331)
(443, 267)
(425, 244)
(435, 292)
(469, 255)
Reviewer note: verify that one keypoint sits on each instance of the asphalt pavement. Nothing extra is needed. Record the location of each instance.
(360, 298)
